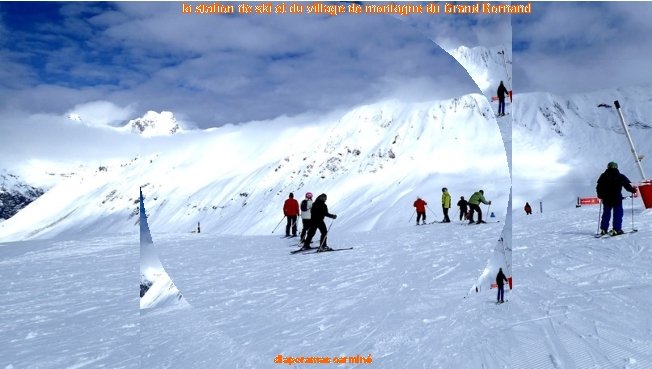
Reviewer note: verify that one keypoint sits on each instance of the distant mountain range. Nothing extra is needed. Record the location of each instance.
(371, 161)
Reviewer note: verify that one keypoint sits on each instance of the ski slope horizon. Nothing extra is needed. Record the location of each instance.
(372, 162)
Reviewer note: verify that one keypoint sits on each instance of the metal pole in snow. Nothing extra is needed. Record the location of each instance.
(509, 79)
(629, 139)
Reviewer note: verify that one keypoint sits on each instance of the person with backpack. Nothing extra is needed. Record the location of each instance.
(463, 205)
(420, 204)
(610, 185)
(291, 211)
(474, 205)
(500, 282)
(527, 208)
(318, 212)
(502, 91)
(445, 204)
(306, 205)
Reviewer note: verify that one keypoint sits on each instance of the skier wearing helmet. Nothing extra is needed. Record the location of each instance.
(609, 186)
(317, 214)
(306, 205)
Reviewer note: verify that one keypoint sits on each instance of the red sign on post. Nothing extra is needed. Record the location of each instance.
(588, 201)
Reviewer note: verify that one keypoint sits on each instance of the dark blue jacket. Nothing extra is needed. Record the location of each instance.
(610, 185)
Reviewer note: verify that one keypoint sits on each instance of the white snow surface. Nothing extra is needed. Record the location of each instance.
(400, 297)
(486, 66)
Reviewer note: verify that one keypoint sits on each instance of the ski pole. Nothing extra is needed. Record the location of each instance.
(326, 235)
(279, 223)
(633, 229)
(411, 216)
(433, 213)
(599, 214)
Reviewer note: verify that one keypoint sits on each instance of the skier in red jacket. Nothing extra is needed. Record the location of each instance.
(291, 211)
(420, 204)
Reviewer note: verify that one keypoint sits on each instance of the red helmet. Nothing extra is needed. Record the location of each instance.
(309, 195)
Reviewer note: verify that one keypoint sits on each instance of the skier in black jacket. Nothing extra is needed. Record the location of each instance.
(502, 91)
(318, 212)
(463, 204)
(500, 281)
(610, 183)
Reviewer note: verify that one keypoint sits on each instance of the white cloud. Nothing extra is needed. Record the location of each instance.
(102, 113)
(575, 47)
(217, 69)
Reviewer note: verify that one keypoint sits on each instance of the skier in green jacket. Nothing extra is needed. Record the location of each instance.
(474, 205)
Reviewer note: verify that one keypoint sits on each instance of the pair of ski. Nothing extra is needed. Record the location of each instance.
(315, 250)
(608, 234)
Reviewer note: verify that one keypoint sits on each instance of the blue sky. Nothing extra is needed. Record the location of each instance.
(212, 69)
(569, 47)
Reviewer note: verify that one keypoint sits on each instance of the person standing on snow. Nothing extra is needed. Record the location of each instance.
(527, 208)
(500, 281)
(291, 211)
(445, 204)
(420, 204)
(463, 205)
(502, 91)
(474, 204)
(610, 183)
(317, 214)
(306, 205)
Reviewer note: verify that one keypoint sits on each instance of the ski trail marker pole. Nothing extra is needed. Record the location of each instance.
(279, 223)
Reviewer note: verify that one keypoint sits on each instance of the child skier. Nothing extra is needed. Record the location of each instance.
(420, 204)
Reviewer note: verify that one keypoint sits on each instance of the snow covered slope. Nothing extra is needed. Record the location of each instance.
(372, 162)
(399, 296)
(562, 144)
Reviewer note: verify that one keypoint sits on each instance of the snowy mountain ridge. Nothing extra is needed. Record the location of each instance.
(371, 161)
(154, 124)
(15, 194)
(486, 65)
(149, 125)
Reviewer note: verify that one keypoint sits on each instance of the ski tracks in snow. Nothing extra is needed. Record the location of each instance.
(586, 297)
